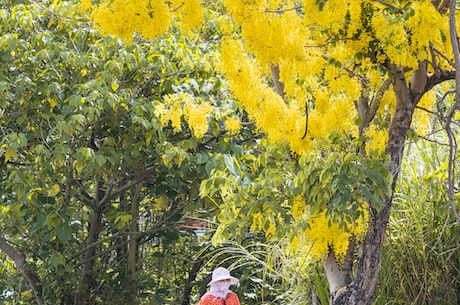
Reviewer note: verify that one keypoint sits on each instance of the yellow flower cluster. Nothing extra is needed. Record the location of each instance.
(324, 234)
(332, 14)
(189, 13)
(269, 34)
(425, 26)
(298, 208)
(232, 125)
(422, 115)
(257, 222)
(171, 110)
(123, 18)
(378, 139)
(393, 38)
(273, 116)
(196, 116)
(180, 107)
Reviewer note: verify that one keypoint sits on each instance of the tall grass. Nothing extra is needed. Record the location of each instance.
(269, 274)
(421, 258)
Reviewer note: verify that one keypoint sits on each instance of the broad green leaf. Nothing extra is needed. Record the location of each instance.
(52, 221)
(230, 164)
(63, 232)
(54, 190)
(57, 259)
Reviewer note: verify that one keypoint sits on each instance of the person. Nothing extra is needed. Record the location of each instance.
(219, 292)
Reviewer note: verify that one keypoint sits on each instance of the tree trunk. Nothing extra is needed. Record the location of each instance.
(339, 276)
(87, 275)
(362, 289)
(132, 248)
(191, 277)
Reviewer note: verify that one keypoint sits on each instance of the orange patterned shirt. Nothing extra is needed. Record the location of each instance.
(231, 299)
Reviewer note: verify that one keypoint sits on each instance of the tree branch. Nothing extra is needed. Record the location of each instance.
(279, 85)
(109, 194)
(20, 263)
(280, 11)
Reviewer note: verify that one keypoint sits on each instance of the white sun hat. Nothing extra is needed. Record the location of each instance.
(221, 274)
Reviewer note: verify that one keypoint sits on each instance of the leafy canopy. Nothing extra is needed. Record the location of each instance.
(313, 76)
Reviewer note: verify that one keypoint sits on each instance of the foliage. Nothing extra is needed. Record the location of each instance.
(342, 95)
(84, 120)
(321, 198)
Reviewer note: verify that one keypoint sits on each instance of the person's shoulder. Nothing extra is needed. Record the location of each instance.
(206, 299)
(232, 299)
(232, 295)
(208, 296)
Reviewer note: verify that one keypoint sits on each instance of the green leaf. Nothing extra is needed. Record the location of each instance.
(52, 221)
(57, 259)
(201, 158)
(63, 232)
(230, 164)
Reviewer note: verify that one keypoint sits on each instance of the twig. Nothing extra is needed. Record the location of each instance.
(388, 5)
(329, 42)
(280, 11)
(177, 7)
(443, 56)
(455, 108)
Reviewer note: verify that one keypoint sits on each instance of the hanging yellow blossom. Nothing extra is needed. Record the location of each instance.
(196, 116)
(123, 18)
(298, 207)
(189, 13)
(232, 125)
(85, 5)
(271, 230)
(324, 234)
(422, 115)
(257, 222)
(378, 139)
(173, 112)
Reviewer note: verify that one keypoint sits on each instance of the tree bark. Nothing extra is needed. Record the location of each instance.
(279, 85)
(83, 294)
(132, 245)
(191, 277)
(20, 263)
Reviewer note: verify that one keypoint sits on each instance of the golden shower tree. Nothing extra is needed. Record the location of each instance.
(322, 71)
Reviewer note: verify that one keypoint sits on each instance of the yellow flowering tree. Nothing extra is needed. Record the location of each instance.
(352, 76)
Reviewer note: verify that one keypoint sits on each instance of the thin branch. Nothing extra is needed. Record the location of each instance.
(455, 108)
(443, 56)
(329, 42)
(279, 85)
(377, 98)
(173, 10)
(388, 5)
(280, 11)
(425, 138)
(451, 91)
(110, 194)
